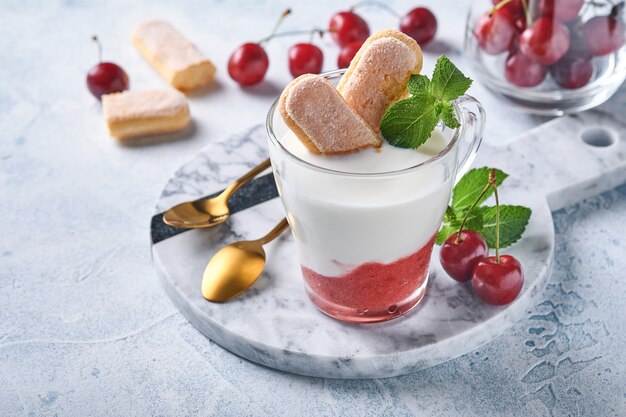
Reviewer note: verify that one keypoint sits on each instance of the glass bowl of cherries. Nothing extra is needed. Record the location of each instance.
(548, 57)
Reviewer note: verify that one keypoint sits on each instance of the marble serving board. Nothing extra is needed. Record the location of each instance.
(275, 325)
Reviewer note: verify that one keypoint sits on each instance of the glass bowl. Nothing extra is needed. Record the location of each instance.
(548, 57)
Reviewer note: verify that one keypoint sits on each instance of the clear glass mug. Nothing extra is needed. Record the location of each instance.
(365, 240)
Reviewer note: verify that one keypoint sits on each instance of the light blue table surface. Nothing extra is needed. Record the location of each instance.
(85, 328)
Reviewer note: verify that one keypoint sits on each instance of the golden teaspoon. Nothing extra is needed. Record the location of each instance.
(210, 212)
(236, 266)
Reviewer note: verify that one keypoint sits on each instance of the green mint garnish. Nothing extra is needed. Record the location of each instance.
(513, 222)
(448, 82)
(482, 219)
(410, 122)
(418, 83)
(471, 185)
(447, 115)
(445, 232)
(474, 222)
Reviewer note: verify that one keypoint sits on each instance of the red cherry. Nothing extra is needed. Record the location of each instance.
(305, 58)
(604, 34)
(347, 53)
(523, 71)
(459, 258)
(498, 283)
(514, 7)
(546, 41)
(346, 27)
(420, 24)
(495, 33)
(572, 71)
(106, 78)
(248, 64)
(563, 10)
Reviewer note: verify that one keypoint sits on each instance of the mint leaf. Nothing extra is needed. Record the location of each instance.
(444, 233)
(409, 123)
(418, 83)
(482, 219)
(448, 82)
(471, 185)
(448, 116)
(474, 221)
(449, 216)
(513, 222)
(453, 223)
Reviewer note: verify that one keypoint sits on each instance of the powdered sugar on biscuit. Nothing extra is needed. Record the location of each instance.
(319, 111)
(138, 104)
(168, 45)
(379, 75)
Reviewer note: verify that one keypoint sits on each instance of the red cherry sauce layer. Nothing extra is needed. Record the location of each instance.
(372, 291)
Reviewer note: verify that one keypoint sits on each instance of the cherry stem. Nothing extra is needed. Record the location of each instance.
(311, 32)
(499, 6)
(318, 31)
(377, 4)
(616, 10)
(526, 12)
(95, 39)
(490, 183)
(280, 20)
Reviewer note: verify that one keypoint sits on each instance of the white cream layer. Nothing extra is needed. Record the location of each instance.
(385, 159)
(342, 221)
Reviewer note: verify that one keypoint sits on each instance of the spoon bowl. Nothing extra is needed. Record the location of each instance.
(236, 266)
(198, 214)
(210, 212)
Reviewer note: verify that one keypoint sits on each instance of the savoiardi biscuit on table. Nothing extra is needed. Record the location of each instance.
(138, 113)
(176, 59)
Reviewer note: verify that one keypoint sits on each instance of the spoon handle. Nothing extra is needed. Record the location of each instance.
(275, 232)
(245, 178)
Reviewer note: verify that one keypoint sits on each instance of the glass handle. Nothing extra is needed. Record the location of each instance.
(473, 119)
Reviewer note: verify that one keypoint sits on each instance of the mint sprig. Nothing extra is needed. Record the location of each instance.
(410, 122)
(482, 219)
(471, 185)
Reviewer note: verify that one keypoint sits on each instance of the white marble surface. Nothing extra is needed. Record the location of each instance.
(275, 324)
(85, 326)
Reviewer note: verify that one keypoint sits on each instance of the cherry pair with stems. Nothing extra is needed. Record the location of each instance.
(465, 256)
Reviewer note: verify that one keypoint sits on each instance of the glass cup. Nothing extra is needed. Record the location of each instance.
(563, 56)
(364, 240)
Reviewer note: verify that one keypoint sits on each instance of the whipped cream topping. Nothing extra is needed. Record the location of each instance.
(387, 158)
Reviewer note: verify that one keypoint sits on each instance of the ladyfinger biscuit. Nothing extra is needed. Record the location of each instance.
(175, 58)
(379, 73)
(322, 120)
(132, 114)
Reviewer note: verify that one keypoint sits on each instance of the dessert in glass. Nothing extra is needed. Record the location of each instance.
(364, 220)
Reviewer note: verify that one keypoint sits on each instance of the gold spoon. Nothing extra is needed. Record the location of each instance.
(211, 212)
(236, 266)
